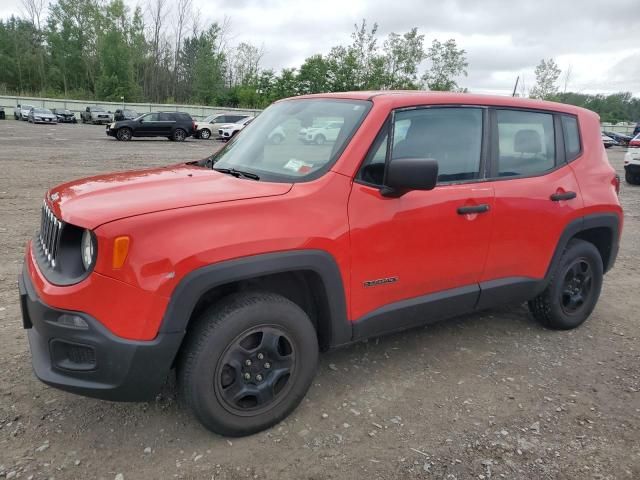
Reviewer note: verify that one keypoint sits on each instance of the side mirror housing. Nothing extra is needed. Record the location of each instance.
(406, 174)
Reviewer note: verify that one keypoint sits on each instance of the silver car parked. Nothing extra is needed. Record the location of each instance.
(41, 115)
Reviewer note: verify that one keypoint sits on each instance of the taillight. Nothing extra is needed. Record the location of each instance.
(616, 184)
(193, 125)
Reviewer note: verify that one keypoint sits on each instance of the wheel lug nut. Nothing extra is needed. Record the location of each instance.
(267, 365)
(260, 356)
(247, 362)
(247, 376)
(259, 377)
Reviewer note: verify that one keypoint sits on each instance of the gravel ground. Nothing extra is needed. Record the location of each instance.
(486, 396)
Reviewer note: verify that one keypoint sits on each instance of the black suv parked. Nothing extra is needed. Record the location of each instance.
(174, 125)
(125, 114)
(64, 116)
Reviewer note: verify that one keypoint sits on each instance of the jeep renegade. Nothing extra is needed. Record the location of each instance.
(238, 269)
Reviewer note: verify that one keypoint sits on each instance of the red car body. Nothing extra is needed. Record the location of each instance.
(184, 219)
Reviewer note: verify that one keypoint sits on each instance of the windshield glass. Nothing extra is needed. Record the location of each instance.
(272, 147)
(41, 110)
(98, 109)
(209, 118)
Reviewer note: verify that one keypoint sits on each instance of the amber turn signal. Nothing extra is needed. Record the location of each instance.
(120, 251)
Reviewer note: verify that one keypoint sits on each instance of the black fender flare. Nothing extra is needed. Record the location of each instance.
(609, 221)
(195, 284)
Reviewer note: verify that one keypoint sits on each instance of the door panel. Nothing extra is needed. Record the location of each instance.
(528, 224)
(416, 244)
(536, 198)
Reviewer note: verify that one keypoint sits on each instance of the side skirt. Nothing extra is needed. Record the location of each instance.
(438, 306)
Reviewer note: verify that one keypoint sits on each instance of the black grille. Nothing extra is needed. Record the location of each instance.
(49, 236)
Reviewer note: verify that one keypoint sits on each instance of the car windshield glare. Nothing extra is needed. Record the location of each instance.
(272, 148)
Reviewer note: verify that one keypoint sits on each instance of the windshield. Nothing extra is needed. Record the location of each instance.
(271, 148)
(41, 110)
(209, 118)
(98, 109)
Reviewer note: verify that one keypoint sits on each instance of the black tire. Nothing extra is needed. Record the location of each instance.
(75, 120)
(319, 140)
(179, 135)
(574, 288)
(205, 134)
(124, 134)
(631, 178)
(256, 320)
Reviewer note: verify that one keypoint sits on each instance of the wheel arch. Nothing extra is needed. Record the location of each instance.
(309, 278)
(602, 230)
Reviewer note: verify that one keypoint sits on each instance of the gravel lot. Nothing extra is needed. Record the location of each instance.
(485, 396)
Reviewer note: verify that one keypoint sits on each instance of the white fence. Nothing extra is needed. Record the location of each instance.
(77, 106)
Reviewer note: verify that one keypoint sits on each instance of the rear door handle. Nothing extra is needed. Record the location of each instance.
(482, 208)
(556, 197)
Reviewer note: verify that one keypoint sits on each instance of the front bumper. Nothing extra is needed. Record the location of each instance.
(93, 361)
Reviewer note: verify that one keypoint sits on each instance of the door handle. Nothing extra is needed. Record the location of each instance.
(482, 208)
(556, 197)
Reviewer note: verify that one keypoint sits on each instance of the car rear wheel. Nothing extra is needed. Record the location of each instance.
(179, 135)
(248, 362)
(574, 289)
(319, 140)
(124, 134)
(205, 134)
(631, 178)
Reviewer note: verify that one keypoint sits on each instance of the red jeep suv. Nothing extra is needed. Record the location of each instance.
(238, 269)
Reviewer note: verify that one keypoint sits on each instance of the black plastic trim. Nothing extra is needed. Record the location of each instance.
(125, 370)
(416, 311)
(606, 220)
(504, 291)
(191, 288)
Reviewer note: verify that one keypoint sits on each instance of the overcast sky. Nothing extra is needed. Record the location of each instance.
(599, 40)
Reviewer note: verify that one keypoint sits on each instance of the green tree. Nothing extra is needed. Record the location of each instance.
(547, 74)
(402, 57)
(313, 76)
(447, 63)
(208, 73)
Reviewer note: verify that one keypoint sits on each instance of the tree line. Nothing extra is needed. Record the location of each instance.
(104, 51)
(162, 53)
(614, 108)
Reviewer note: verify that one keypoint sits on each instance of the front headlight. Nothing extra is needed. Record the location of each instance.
(88, 249)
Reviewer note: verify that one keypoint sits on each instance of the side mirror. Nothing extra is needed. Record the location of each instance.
(406, 174)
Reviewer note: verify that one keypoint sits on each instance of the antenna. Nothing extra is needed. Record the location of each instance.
(515, 87)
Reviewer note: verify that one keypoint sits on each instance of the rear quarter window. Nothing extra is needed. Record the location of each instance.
(571, 134)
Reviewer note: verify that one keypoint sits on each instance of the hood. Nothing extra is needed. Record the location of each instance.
(93, 201)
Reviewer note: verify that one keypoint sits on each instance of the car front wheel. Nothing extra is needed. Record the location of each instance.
(124, 134)
(248, 362)
(574, 288)
(205, 134)
(319, 140)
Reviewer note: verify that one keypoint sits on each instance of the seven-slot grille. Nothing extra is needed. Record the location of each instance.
(50, 231)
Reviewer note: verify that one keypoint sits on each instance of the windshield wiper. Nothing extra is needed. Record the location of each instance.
(237, 173)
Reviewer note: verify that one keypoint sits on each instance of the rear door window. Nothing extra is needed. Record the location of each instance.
(526, 143)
